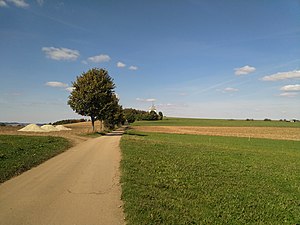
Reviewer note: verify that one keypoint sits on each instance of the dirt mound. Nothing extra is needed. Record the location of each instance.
(49, 128)
(61, 127)
(32, 128)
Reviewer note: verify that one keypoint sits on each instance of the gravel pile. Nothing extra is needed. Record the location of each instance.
(32, 128)
(44, 128)
(49, 128)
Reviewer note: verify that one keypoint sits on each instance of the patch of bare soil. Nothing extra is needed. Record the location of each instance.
(280, 133)
(76, 135)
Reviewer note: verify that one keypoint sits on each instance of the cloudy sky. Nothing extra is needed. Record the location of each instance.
(206, 59)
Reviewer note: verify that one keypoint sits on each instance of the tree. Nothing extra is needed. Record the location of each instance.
(153, 116)
(161, 116)
(130, 115)
(114, 114)
(92, 93)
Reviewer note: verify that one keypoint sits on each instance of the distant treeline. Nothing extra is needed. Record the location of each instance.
(132, 115)
(60, 122)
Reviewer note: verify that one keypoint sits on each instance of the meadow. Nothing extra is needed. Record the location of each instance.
(197, 179)
(169, 121)
(20, 153)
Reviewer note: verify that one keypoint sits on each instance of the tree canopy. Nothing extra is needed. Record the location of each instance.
(132, 115)
(92, 94)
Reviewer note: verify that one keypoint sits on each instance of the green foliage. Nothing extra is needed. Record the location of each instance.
(193, 179)
(93, 91)
(114, 114)
(132, 115)
(161, 115)
(20, 153)
(60, 122)
(215, 122)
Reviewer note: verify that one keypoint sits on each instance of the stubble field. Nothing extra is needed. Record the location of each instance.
(279, 133)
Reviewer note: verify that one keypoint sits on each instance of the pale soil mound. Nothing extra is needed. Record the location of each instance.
(49, 128)
(32, 128)
(61, 127)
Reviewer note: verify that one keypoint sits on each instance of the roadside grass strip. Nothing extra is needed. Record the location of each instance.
(194, 179)
(20, 153)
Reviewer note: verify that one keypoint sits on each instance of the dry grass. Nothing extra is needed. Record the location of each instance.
(76, 135)
(279, 133)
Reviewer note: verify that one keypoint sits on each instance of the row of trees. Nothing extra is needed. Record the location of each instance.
(94, 96)
(132, 115)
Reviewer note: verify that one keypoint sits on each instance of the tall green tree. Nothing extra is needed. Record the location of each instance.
(93, 92)
(114, 114)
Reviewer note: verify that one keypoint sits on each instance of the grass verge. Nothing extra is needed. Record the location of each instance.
(20, 153)
(215, 122)
(193, 179)
(94, 134)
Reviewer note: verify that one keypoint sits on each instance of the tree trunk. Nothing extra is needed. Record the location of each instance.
(100, 125)
(93, 122)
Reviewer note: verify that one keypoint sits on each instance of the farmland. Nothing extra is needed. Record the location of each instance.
(215, 123)
(198, 179)
(20, 153)
(236, 128)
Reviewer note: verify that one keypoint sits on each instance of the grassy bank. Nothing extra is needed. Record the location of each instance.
(20, 153)
(215, 122)
(193, 179)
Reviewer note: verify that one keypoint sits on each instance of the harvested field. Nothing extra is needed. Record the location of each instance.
(76, 135)
(279, 133)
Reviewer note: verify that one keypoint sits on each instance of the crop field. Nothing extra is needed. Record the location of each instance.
(280, 133)
(215, 123)
(20, 153)
(197, 179)
(236, 128)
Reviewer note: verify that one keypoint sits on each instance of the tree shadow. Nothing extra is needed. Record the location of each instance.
(133, 134)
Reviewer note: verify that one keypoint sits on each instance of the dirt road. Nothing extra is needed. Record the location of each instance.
(79, 186)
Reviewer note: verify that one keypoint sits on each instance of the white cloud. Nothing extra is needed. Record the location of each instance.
(289, 94)
(3, 3)
(56, 84)
(69, 89)
(229, 89)
(133, 68)
(61, 53)
(283, 76)
(19, 3)
(121, 65)
(183, 94)
(40, 2)
(146, 100)
(84, 62)
(244, 70)
(293, 87)
(99, 58)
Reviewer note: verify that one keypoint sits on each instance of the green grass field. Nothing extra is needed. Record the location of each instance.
(215, 122)
(20, 153)
(193, 179)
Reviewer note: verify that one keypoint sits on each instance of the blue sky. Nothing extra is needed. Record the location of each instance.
(207, 59)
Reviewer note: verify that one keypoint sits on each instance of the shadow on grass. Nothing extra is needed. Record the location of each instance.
(134, 134)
